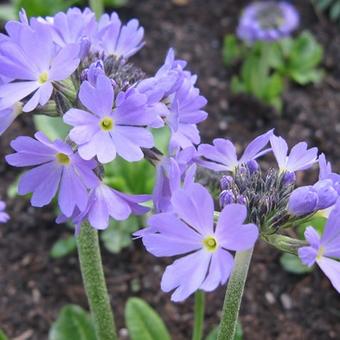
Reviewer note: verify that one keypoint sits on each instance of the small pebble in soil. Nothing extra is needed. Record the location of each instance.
(270, 298)
(123, 333)
(286, 301)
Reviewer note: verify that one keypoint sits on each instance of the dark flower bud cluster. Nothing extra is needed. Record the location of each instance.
(266, 195)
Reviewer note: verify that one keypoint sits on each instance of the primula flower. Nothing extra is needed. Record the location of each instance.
(189, 230)
(268, 21)
(185, 112)
(74, 27)
(170, 173)
(30, 57)
(299, 158)
(105, 131)
(57, 168)
(105, 202)
(222, 156)
(325, 250)
(116, 39)
(4, 217)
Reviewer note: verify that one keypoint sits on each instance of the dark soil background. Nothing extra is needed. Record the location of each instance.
(277, 305)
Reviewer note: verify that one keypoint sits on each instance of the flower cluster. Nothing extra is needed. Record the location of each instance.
(268, 21)
(188, 221)
(76, 67)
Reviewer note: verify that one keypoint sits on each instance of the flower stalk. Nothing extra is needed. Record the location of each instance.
(94, 282)
(233, 297)
(199, 315)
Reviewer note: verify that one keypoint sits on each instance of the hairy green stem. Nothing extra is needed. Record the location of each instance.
(97, 7)
(94, 282)
(199, 315)
(233, 296)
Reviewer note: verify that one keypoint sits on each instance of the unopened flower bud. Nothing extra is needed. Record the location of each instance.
(241, 199)
(303, 201)
(226, 197)
(326, 194)
(85, 45)
(289, 178)
(226, 182)
(253, 166)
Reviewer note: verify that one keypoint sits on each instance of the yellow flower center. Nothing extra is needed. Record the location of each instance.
(63, 159)
(210, 243)
(43, 77)
(107, 124)
(320, 252)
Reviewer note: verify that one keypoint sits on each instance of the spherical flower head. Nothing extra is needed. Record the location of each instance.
(267, 21)
(189, 231)
(4, 217)
(56, 169)
(325, 250)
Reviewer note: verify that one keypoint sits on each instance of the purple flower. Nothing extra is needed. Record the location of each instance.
(104, 131)
(105, 202)
(116, 39)
(185, 112)
(30, 57)
(299, 158)
(58, 168)
(189, 230)
(325, 249)
(325, 172)
(4, 217)
(74, 27)
(222, 156)
(170, 173)
(268, 21)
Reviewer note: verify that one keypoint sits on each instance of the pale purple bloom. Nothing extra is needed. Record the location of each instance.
(325, 172)
(268, 21)
(104, 131)
(30, 57)
(74, 27)
(185, 112)
(57, 168)
(222, 156)
(189, 230)
(171, 172)
(105, 202)
(114, 38)
(299, 158)
(325, 250)
(4, 217)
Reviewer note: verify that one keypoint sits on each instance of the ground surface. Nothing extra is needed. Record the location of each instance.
(277, 305)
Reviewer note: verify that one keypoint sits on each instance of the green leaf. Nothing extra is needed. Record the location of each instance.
(7, 12)
(63, 247)
(43, 7)
(304, 77)
(238, 335)
(231, 49)
(72, 323)
(274, 86)
(161, 137)
(52, 127)
(118, 235)
(317, 222)
(3, 335)
(292, 264)
(116, 3)
(334, 12)
(143, 322)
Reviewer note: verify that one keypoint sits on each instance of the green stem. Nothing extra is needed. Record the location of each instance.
(233, 296)
(94, 282)
(97, 7)
(199, 315)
